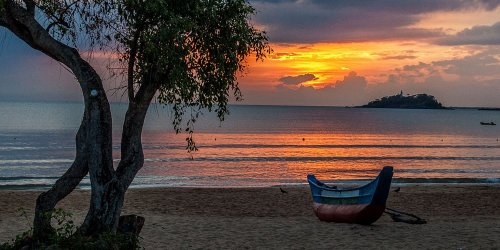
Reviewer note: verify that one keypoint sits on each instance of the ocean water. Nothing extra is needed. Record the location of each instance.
(264, 145)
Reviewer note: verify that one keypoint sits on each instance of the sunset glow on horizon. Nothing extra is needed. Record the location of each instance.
(331, 62)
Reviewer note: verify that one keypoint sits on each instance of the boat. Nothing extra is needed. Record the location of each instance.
(489, 109)
(361, 205)
(488, 123)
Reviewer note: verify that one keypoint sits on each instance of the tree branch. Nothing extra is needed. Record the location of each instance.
(47, 200)
(131, 64)
(132, 156)
(60, 19)
(21, 23)
(57, 22)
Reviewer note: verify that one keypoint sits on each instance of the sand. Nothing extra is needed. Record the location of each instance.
(459, 217)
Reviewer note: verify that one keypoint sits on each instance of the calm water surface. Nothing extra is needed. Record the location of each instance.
(264, 145)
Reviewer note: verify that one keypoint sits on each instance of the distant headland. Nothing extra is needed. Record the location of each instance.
(419, 101)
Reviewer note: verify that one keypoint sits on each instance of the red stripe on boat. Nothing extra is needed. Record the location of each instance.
(361, 213)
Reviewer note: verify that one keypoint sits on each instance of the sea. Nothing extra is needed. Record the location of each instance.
(260, 146)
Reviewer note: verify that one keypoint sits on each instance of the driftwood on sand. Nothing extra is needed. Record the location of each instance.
(399, 216)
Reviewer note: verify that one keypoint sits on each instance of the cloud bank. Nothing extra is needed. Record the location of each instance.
(309, 21)
(477, 35)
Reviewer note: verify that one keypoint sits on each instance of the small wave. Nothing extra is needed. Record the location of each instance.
(419, 181)
(177, 181)
(25, 186)
(12, 148)
(27, 148)
(34, 161)
(15, 178)
(416, 171)
(150, 147)
(328, 158)
(447, 180)
(448, 171)
(150, 178)
(40, 182)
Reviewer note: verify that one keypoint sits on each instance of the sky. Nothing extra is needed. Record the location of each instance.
(328, 53)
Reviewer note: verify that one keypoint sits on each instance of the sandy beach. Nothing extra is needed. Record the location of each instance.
(459, 217)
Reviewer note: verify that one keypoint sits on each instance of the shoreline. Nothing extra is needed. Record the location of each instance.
(346, 182)
(459, 216)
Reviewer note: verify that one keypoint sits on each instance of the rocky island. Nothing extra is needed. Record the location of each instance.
(419, 101)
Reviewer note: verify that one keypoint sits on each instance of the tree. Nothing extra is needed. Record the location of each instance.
(184, 53)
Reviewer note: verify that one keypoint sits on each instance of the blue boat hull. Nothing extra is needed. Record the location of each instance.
(362, 205)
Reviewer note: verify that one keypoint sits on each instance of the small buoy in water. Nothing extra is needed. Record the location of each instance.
(93, 92)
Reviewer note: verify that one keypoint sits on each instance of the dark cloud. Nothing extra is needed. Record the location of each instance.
(484, 64)
(398, 57)
(280, 55)
(310, 21)
(294, 80)
(407, 6)
(402, 55)
(479, 35)
(413, 7)
(286, 54)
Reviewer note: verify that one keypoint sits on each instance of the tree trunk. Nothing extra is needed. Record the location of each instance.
(47, 201)
(95, 135)
(107, 192)
(105, 208)
(132, 155)
(94, 139)
(107, 200)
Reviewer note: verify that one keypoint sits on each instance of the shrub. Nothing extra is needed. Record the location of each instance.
(66, 236)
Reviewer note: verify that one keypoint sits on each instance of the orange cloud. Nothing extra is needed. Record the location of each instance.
(330, 62)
